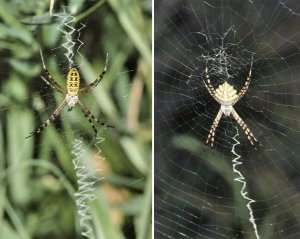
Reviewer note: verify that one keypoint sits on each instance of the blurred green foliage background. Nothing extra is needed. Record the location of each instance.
(197, 191)
(37, 178)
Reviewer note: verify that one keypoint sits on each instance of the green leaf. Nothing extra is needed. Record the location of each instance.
(104, 227)
(143, 221)
(38, 20)
(134, 154)
(129, 16)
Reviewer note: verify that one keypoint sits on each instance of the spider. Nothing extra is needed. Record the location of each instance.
(227, 97)
(72, 92)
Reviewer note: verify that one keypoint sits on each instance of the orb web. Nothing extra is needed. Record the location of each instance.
(84, 148)
(38, 171)
(198, 193)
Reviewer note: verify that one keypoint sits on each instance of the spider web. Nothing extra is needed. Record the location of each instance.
(87, 174)
(87, 168)
(232, 190)
(122, 99)
(68, 55)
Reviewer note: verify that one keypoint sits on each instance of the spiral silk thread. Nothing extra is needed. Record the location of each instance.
(86, 180)
(67, 30)
(240, 178)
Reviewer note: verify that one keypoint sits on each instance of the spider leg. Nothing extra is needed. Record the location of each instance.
(88, 115)
(211, 135)
(244, 126)
(52, 83)
(91, 86)
(49, 120)
(209, 86)
(246, 85)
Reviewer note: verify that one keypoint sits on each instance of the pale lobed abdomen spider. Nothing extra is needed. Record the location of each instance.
(227, 97)
(71, 99)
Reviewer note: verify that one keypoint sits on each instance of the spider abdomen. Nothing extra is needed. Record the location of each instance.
(73, 82)
(226, 94)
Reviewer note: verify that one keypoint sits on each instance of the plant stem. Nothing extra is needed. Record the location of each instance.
(89, 11)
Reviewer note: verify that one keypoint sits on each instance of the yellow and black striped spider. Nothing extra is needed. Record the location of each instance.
(227, 96)
(72, 92)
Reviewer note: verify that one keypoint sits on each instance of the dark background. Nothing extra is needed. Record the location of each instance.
(195, 192)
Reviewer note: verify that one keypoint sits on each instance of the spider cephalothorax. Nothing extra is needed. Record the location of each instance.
(72, 91)
(227, 96)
